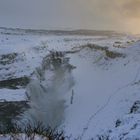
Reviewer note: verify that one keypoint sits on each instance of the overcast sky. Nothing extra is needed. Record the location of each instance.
(71, 14)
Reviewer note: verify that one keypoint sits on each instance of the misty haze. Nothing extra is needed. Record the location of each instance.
(69, 70)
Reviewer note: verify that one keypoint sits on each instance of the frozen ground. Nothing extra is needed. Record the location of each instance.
(101, 87)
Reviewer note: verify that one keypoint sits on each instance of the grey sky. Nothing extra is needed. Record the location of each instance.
(71, 14)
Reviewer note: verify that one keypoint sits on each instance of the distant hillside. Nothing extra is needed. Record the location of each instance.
(5, 30)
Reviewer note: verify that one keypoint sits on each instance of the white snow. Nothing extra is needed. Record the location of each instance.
(12, 95)
(104, 88)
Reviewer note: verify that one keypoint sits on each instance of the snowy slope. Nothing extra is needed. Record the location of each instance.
(105, 80)
(105, 89)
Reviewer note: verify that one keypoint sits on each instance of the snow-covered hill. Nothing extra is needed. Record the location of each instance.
(82, 83)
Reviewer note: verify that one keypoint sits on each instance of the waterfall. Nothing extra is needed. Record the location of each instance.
(46, 92)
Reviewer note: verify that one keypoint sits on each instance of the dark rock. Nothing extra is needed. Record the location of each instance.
(14, 83)
(135, 108)
(118, 122)
(10, 110)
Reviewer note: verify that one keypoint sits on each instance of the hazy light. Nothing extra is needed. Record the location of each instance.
(121, 15)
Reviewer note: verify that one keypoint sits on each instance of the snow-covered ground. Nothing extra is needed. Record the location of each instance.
(100, 88)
